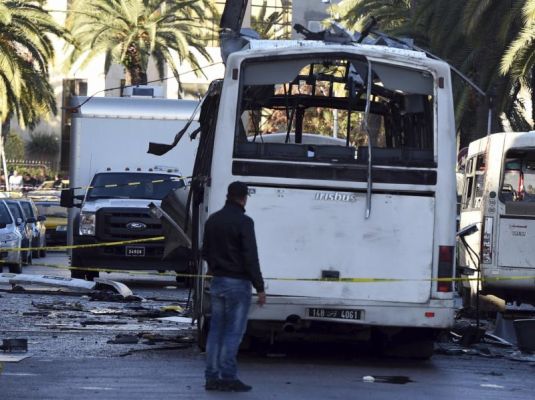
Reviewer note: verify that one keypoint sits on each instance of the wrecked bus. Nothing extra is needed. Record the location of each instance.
(499, 197)
(349, 151)
(349, 154)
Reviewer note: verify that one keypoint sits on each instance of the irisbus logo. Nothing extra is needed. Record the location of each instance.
(336, 196)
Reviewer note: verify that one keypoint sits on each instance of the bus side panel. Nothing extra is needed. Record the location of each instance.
(306, 234)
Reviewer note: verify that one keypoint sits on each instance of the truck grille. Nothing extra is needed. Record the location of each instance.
(122, 224)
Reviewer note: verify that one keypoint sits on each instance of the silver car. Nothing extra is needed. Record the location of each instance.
(24, 226)
(36, 221)
(10, 238)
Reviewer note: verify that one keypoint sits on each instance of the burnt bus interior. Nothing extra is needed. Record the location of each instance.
(322, 109)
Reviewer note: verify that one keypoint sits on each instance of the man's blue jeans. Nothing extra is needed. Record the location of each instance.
(230, 302)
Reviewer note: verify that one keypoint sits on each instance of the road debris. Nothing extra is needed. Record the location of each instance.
(13, 357)
(396, 379)
(59, 306)
(124, 339)
(175, 308)
(98, 289)
(14, 345)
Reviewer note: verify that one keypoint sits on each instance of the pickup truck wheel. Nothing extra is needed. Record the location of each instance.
(16, 268)
(78, 274)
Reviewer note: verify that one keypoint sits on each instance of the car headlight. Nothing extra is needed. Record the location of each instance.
(61, 228)
(87, 223)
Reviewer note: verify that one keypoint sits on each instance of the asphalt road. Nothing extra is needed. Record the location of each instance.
(71, 357)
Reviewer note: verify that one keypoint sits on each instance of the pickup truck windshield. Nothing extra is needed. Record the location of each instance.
(132, 185)
(15, 210)
(314, 109)
(5, 217)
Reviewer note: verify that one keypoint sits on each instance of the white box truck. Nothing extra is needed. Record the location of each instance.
(113, 179)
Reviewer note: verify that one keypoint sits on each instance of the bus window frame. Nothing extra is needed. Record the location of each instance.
(474, 174)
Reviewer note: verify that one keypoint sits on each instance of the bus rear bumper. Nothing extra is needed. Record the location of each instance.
(437, 314)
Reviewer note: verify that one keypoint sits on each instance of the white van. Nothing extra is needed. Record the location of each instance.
(499, 196)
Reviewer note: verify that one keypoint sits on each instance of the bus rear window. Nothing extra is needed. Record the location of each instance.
(518, 181)
(314, 110)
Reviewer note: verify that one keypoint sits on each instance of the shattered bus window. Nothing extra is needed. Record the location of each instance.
(313, 110)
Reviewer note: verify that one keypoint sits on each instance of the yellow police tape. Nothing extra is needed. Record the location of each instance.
(84, 246)
(340, 280)
(158, 238)
(175, 178)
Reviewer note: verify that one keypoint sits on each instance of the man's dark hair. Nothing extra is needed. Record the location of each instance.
(237, 191)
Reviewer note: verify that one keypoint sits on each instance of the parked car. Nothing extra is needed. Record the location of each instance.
(56, 222)
(24, 226)
(39, 229)
(10, 237)
(49, 189)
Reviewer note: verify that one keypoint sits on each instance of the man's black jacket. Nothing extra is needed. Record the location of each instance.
(229, 245)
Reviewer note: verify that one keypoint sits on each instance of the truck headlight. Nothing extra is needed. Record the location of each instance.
(87, 223)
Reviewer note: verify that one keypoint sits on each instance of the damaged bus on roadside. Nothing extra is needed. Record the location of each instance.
(349, 152)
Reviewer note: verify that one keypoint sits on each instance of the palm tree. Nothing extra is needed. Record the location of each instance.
(471, 35)
(25, 51)
(270, 26)
(129, 32)
(518, 60)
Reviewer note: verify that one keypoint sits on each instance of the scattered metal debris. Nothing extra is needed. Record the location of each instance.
(13, 357)
(59, 306)
(398, 380)
(14, 345)
(106, 288)
(124, 339)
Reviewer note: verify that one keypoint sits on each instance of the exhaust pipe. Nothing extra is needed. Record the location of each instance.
(292, 324)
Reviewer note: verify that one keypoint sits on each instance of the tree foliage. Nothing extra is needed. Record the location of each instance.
(489, 41)
(43, 145)
(129, 32)
(270, 26)
(25, 51)
(14, 147)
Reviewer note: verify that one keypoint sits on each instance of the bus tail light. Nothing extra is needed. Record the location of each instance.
(445, 268)
(486, 241)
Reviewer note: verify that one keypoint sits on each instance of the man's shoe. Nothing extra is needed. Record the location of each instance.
(234, 386)
(213, 384)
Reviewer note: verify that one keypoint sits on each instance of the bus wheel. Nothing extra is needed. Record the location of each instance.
(411, 343)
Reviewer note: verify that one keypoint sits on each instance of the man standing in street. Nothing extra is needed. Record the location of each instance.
(229, 247)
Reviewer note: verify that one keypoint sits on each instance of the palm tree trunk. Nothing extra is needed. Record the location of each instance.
(136, 75)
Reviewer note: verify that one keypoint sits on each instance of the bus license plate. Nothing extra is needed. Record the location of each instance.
(334, 313)
(135, 251)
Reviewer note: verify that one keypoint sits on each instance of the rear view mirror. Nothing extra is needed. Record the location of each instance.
(19, 221)
(67, 198)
